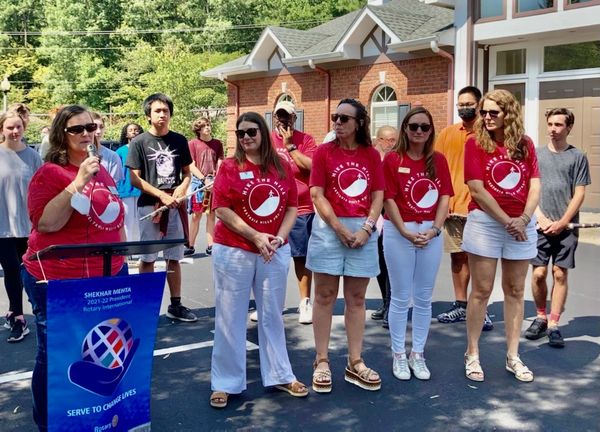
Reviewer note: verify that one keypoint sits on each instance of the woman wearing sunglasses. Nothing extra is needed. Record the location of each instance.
(347, 185)
(72, 199)
(18, 163)
(255, 200)
(418, 188)
(501, 171)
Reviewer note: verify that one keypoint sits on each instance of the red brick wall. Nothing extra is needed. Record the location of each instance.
(423, 80)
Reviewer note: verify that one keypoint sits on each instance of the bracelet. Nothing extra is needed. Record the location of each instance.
(436, 230)
(525, 218)
(292, 147)
(280, 240)
(367, 229)
(370, 222)
(68, 190)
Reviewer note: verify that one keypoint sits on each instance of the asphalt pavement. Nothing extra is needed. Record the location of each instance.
(565, 395)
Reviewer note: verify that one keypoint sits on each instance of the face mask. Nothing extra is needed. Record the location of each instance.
(467, 114)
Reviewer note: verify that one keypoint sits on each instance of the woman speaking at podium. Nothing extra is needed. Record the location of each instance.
(72, 199)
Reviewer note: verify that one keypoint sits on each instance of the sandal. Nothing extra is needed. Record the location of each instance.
(473, 369)
(516, 367)
(321, 379)
(296, 389)
(362, 378)
(218, 399)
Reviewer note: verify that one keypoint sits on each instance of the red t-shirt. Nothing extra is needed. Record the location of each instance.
(206, 154)
(347, 177)
(260, 200)
(507, 180)
(307, 146)
(415, 194)
(101, 225)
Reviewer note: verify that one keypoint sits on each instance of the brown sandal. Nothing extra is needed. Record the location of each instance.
(296, 389)
(362, 378)
(321, 379)
(218, 399)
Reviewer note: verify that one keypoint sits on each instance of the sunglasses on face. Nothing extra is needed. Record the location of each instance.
(343, 118)
(425, 127)
(78, 129)
(251, 132)
(492, 113)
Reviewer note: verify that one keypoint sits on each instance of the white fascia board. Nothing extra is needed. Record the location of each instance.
(316, 58)
(366, 14)
(413, 45)
(225, 72)
(257, 50)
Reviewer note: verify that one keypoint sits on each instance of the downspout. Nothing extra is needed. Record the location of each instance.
(436, 49)
(313, 66)
(237, 93)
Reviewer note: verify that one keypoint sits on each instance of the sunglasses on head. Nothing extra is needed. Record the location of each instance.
(492, 113)
(341, 117)
(78, 129)
(251, 132)
(413, 127)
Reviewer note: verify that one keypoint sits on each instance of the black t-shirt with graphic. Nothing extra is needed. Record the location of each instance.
(160, 160)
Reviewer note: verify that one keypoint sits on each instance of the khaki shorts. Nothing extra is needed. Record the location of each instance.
(453, 233)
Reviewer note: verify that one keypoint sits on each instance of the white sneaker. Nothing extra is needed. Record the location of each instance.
(417, 363)
(254, 316)
(400, 367)
(305, 311)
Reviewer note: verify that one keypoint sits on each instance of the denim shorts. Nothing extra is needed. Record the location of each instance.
(299, 235)
(485, 236)
(327, 254)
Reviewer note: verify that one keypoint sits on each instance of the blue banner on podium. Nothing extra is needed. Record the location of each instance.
(101, 335)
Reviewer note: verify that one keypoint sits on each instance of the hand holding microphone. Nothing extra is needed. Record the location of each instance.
(91, 165)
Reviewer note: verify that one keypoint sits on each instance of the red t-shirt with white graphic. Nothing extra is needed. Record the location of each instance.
(307, 146)
(100, 225)
(259, 199)
(507, 180)
(347, 177)
(414, 193)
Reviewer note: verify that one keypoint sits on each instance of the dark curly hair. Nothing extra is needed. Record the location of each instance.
(363, 134)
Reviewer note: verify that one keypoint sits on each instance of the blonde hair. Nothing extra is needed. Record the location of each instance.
(513, 125)
(5, 116)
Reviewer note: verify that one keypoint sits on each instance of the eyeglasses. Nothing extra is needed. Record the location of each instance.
(413, 127)
(78, 129)
(466, 105)
(342, 118)
(251, 132)
(492, 113)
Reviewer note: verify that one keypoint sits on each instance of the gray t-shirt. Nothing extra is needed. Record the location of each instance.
(16, 170)
(111, 161)
(560, 173)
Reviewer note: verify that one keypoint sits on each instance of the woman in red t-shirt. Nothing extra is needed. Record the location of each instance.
(418, 188)
(347, 185)
(71, 199)
(502, 174)
(255, 199)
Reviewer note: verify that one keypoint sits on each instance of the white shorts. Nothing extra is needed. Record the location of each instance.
(485, 236)
(151, 231)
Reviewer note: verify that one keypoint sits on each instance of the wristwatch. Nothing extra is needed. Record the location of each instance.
(291, 148)
(437, 230)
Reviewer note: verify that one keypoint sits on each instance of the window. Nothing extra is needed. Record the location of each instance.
(385, 110)
(490, 9)
(572, 56)
(532, 5)
(511, 62)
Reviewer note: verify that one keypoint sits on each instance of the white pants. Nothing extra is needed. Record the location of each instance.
(235, 273)
(132, 224)
(412, 272)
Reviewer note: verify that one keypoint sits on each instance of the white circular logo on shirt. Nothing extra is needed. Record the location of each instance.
(506, 174)
(264, 199)
(424, 193)
(352, 182)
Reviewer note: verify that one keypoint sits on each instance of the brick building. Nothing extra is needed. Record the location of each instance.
(388, 55)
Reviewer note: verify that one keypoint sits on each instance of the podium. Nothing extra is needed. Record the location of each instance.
(105, 250)
(100, 340)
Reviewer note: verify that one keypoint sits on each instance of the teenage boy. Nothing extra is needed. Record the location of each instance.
(565, 173)
(451, 143)
(159, 161)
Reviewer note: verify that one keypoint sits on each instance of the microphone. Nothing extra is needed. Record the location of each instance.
(92, 151)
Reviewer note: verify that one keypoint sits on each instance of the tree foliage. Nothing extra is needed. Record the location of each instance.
(110, 55)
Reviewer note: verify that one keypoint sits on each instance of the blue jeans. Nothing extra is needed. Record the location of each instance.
(37, 293)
